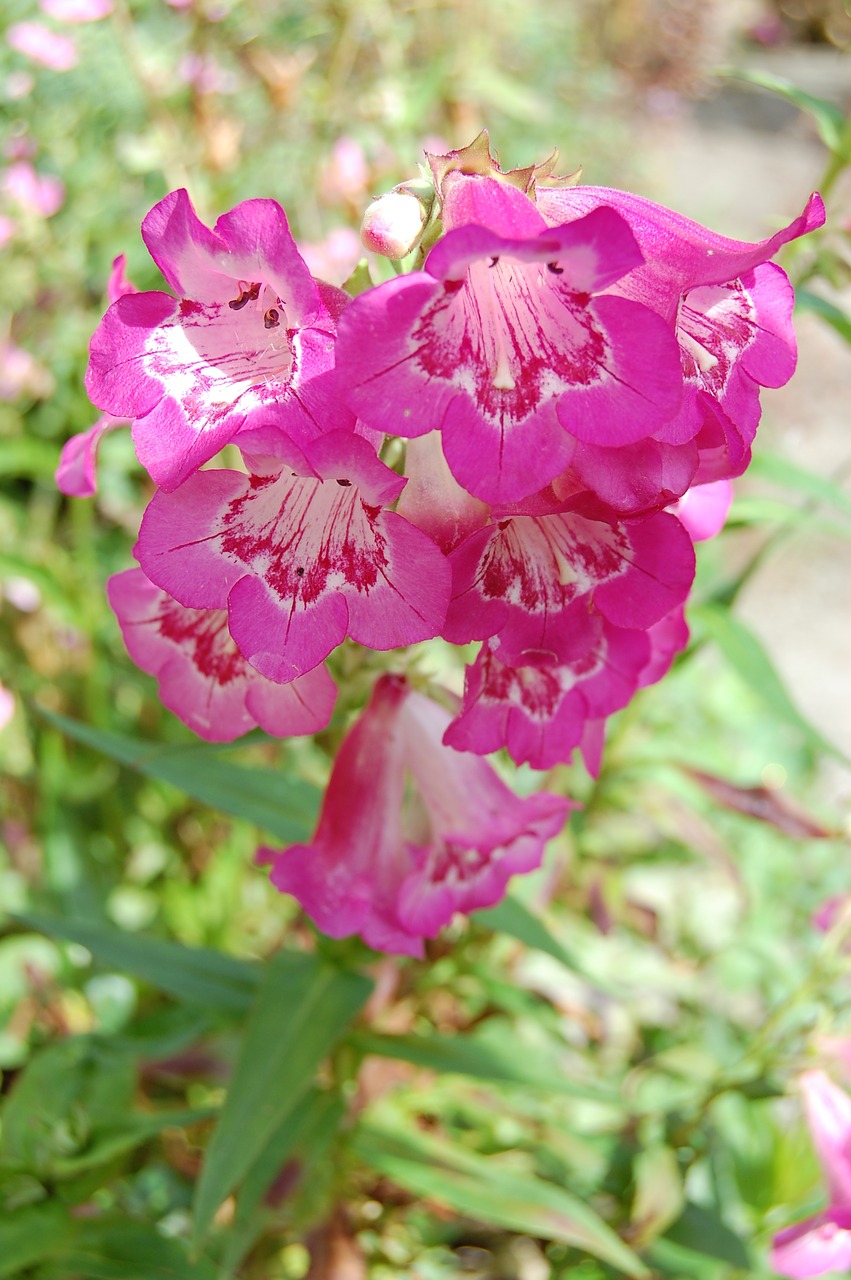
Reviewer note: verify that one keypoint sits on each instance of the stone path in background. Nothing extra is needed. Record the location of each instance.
(765, 158)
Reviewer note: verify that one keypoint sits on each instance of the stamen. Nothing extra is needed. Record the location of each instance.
(272, 318)
(299, 573)
(555, 268)
(494, 261)
(246, 295)
(344, 484)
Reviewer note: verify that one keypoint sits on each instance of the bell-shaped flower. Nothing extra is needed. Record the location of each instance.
(823, 1242)
(201, 675)
(533, 580)
(247, 340)
(410, 831)
(731, 309)
(539, 710)
(301, 557)
(509, 345)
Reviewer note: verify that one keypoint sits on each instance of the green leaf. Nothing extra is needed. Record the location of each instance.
(309, 1129)
(26, 456)
(196, 975)
(360, 280)
(829, 120)
(780, 471)
(121, 1249)
(774, 511)
(748, 657)
(476, 1057)
(701, 1231)
(31, 1235)
(300, 1013)
(285, 808)
(487, 1190)
(830, 313)
(513, 917)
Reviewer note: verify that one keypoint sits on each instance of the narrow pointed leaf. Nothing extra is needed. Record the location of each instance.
(477, 1058)
(300, 1013)
(286, 809)
(31, 1235)
(488, 1191)
(196, 975)
(781, 471)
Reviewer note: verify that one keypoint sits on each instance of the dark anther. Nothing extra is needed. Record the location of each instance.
(344, 484)
(299, 573)
(272, 318)
(503, 524)
(251, 294)
(452, 286)
(494, 261)
(555, 268)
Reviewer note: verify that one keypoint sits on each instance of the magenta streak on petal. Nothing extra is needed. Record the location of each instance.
(715, 326)
(205, 635)
(541, 565)
(511, 337)
(304, 538)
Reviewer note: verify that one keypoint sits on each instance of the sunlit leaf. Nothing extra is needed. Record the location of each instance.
(486, 1190)
(829, 120)
(300, 1013)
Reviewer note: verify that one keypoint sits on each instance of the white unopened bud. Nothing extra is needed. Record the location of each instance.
(393, 224)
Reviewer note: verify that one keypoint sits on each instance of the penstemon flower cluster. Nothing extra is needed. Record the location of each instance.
(515, 442)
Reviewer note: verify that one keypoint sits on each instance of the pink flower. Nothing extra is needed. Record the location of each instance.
(822, 1243)
(37, 193)
(201, 675)
(704, 508)
(731, 307)
(539, 711)
(245, 343)
(394, 865)
(7, 706)
(8, 227)
(533, 580)
(41, 45)
(334, 258)
(301, 557)
(76, 10)
(21, 373)
(506, 343)
(76, 474)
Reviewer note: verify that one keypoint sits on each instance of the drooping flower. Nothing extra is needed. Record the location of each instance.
(533, 580)
(394, 864)
(508, 343)
(301, 557)
(823, 1242)
(201, 675)
(248, 340)
(43, 46)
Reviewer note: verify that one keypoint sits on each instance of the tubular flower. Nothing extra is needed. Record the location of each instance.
(822, 1243)
(533, 581)
(505, 344)
(246, 342)
(731, 310)
(410, 830)
(300, 558)
(201, 675)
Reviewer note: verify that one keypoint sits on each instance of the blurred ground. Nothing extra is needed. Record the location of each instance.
(765, 159)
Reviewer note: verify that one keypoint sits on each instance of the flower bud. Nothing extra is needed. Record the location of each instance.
(393, 224)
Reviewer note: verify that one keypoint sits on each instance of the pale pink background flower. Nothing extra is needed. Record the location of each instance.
(7, 706)
(76, 10)
(40, 44)
(37, 193)
(21, 373)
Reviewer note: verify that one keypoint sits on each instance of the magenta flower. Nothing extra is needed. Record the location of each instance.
(704, 508)
(301, 557)
(393, 865)
(731, 307)
(539, 712)
(247, 342)
(532, 580)
(506, 345)
(201, 675)
(76, 474)
(43, 46)
(822, 1243)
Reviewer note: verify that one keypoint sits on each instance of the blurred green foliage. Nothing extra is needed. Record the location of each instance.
(585, 1082)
